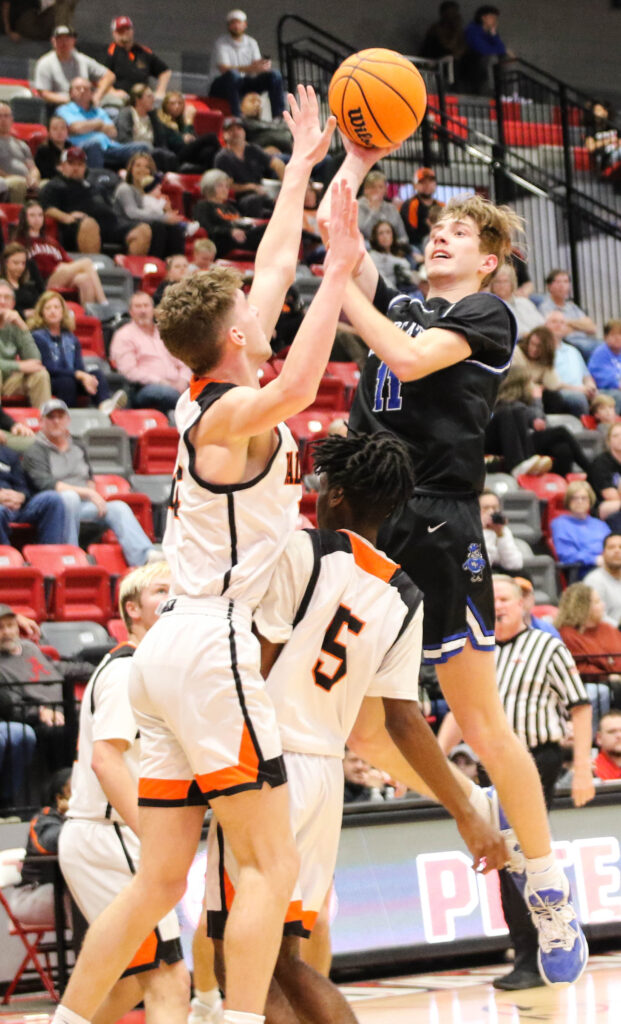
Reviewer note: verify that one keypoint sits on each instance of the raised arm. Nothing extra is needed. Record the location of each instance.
(277, 254)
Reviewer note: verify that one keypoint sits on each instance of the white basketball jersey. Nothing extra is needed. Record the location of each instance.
(224, 540)
(351, 622)
(105, 714)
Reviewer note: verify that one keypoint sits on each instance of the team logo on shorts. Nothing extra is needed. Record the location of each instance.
(475, 563)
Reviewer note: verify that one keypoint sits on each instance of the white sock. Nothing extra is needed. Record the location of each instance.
(545, 873)
(63, 1015)
(237, 1017)
(208, 999)
(481, 803)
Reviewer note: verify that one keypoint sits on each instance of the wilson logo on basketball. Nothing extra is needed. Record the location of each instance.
(359, 126)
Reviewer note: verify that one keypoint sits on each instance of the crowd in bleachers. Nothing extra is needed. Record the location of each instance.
(120, 187)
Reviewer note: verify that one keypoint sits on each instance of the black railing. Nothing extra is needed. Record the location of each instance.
(526, 145)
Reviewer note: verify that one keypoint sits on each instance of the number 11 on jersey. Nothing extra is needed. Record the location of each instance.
(386, 381)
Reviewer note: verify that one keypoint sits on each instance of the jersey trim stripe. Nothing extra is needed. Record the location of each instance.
(322, 542)
(230, 500)
(369, 559)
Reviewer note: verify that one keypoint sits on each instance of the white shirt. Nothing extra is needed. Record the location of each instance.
(502, 551)
(235, 53)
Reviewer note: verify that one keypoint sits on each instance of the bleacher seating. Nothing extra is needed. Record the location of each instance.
(76, 639)
(21, 586)
(77, 590)
(156, 450)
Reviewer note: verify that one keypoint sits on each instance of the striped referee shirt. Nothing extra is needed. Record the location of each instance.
(538, 683)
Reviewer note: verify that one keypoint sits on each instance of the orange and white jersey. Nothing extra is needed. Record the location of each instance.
(351, 622)
(224, 540)
(105, 714)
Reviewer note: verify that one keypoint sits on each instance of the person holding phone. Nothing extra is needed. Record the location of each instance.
(502, 550)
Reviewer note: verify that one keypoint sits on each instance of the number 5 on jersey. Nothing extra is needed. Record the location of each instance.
(334, 648)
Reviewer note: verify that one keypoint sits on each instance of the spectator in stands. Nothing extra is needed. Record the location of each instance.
(504, 284)
(18, 504)
(606, 579)
(139, 199)
(602, 137)
(61, 355)
(31, 19)
(92, 128)
(47, 157)
(272, 136)
(464, 758)
(577, 385)
(221, 217)
(55, 70)
(484, 48)
(32, 899)
(579, 537)
(237, 67)
(528, 600)
(594, 643)
(17, 165)
(604, 412)
(605, 478)
(420, 212)
(246, 166)
(388, 256)
(129, 63)
(195, 153)
(373, 207)
(139, 353)
(446, 37)
(502, 551)
(84, 217)
(55, 266)
(23, 276)
(138, 122)
(21, 368)
(607, 764)
(536, 354)
(177, 267)
(605, 363)
(56, 461)
(15, 435)
(203, 254)
(17, 747)
(358, 778)
(581, 330)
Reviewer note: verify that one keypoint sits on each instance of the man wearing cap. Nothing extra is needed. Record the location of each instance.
(84, 217)
(34, 19)
(55, 71)
(246, 165)
(18, 503)
(17, 166)
(464, 758)
(21, 368)
(420, 213)
(56, 461)
(93, 129)
(237, 67)
(129, 62)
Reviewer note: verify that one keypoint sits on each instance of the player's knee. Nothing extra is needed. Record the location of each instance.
(489, 740)
(169, 984)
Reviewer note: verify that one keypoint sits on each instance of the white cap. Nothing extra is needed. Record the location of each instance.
(236, 15)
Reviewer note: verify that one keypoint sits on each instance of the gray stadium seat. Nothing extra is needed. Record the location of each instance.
(501, 484)
(564, 419)
(157, 487)
(592, 442)
(523, 511)
(73, 639)
(88, 419)
(542, 571)
(108, 450)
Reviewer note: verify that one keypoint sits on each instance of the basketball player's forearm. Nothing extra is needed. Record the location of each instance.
(280, 244)
(118, 785)
(353, 170)
(582, 722)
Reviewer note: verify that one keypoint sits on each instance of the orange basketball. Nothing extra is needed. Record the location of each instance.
(378, 97)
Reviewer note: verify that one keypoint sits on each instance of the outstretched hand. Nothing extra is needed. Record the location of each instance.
(485, 843)
(343, 233)
(366, 155)
(309, 141)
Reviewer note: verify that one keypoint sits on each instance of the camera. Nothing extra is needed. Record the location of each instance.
(499, 519)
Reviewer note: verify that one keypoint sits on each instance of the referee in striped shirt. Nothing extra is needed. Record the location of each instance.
(540, 689)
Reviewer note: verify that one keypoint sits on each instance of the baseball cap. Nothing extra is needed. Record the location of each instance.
(5, 609)
(425, 172)
(236, 15)
(463, 750)
(73, 155)
(63, 30)
(230, 121)
(524, 584)
(122, 22)
(54, 405)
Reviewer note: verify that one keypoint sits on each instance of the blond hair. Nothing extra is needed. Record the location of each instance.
(36, 320)
(135, 582)
(574, 488)
(497, 225)
(574, 606)
(193, 314)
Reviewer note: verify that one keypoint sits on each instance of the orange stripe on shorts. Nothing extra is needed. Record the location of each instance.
(146, 954)
(246, 770)
(163, 789)
(296, 912)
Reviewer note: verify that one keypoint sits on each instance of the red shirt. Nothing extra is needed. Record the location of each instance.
(605, 768)
(47, 254)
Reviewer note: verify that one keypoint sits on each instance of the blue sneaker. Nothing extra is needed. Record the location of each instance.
(516, 865)
(563, 949)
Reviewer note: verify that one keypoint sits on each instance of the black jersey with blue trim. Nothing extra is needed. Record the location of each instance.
(441, 417)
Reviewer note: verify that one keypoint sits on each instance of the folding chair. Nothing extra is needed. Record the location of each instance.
(30, 935)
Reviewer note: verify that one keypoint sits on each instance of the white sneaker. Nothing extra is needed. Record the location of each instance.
(116, 401)
(536, 465)
(201, 1014)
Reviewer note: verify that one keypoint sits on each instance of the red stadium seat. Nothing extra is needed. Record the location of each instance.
(550, 488)
(136, 421)
(267, 372)
(156, 450)
(138, 266)
(307, 427)
(116, 488)
(28, 415)
(330, 395)
(78, 590)
(110, 556)
(118, 630)
(111, 485)
(349, 374)
(308, 506)
(151, 281)
(32, 134)
(21, 585)
(90, 334)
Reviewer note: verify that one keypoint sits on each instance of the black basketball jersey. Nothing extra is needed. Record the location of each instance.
(441, 417)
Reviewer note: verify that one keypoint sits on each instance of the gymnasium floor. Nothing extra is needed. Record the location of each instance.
(450, 997)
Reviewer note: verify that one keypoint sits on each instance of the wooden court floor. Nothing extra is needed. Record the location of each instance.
(451, 997)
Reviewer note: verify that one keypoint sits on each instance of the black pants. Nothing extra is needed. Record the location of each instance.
(549, 760)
